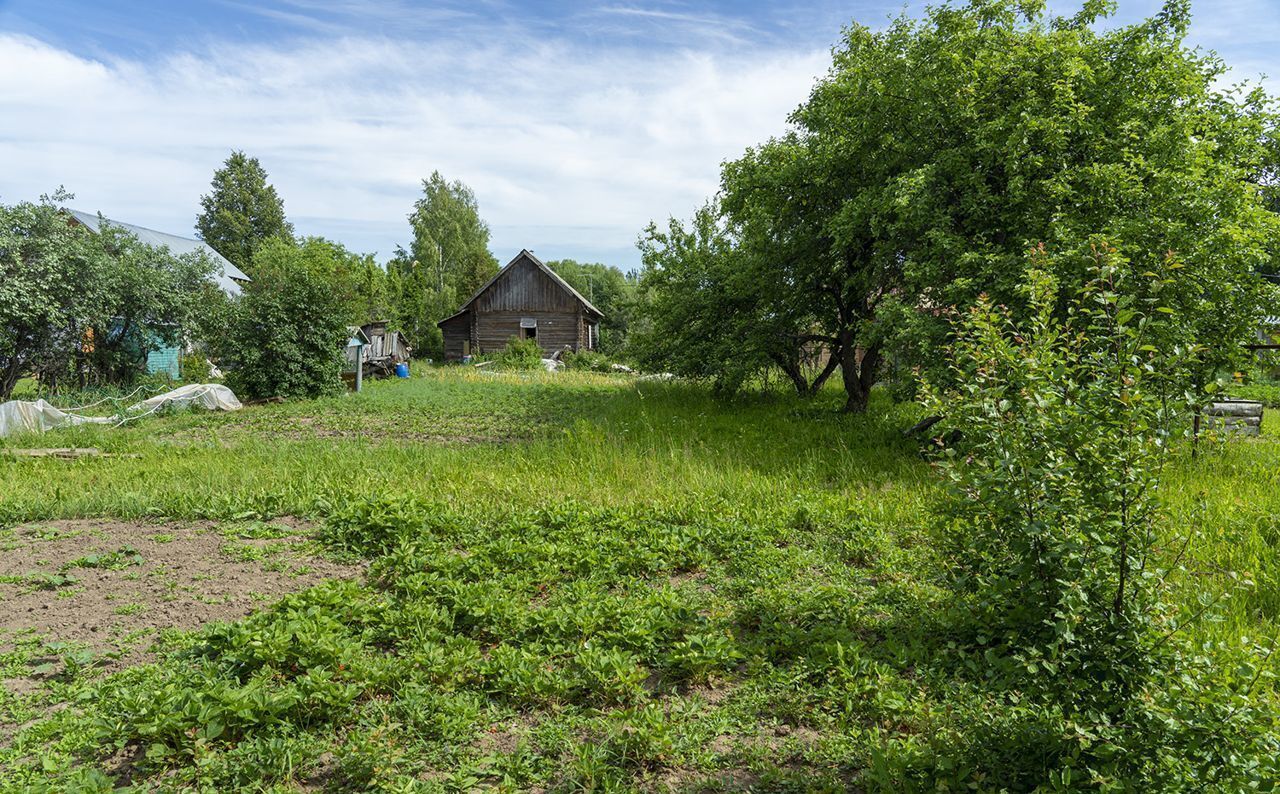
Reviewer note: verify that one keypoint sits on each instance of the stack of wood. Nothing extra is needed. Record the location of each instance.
(1235, 417)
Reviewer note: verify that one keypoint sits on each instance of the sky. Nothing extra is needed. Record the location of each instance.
(575, 123)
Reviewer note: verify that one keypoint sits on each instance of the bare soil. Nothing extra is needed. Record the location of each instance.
(133, 580)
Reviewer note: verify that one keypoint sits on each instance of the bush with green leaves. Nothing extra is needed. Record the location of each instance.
(1054, 528)
(287, 335)
(587, 360)
(519, 354)
(194, 368)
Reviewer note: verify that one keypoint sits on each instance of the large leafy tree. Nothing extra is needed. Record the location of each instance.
(49, 272)
(1046, 131)
(72, 301)
(937, 152)
(706, 313)
(447, 261)
(358, 282)
(152, 298)
(241, 211)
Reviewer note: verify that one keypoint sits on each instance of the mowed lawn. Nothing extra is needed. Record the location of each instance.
(573, 582)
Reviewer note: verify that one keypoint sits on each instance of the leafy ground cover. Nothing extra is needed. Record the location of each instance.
(618, 584)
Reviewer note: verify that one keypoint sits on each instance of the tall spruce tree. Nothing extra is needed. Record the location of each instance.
(241, 211)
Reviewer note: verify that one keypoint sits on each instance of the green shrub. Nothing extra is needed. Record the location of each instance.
(588, 360)
(286, 336)
(1053, 524)
(194, 368)
(519, 354)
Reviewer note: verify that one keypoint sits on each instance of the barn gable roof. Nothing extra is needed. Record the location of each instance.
(228, 276)
(526, 254)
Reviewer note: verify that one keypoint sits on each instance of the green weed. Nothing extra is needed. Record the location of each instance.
(579, 582)
(117, 560)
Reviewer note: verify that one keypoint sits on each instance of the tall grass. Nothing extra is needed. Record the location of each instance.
(469, 437)
(499, 442)
(536, 517)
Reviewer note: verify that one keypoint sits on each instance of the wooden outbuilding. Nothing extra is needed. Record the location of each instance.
(385, 350)
(526, 300)
(385, 344)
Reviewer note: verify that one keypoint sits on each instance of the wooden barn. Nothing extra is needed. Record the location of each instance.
(526, 300)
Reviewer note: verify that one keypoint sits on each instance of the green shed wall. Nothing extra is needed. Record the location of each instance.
(164, 360)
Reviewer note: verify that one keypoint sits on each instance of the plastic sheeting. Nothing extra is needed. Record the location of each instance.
(20, 416)
(211, 396)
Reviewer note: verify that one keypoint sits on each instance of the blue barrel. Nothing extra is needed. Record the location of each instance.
(402, 370)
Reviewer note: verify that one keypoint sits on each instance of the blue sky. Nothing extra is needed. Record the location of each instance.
(575, 123)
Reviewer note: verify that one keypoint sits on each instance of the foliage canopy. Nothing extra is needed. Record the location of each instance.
(74, 303)
(447, 261)
(288, 330)
(241, 211)
(937, 152)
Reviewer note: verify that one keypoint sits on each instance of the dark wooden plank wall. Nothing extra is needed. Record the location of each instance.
(455, 332)
(494, 330)
(525, 288)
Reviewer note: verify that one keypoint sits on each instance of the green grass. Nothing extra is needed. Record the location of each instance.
(474, 438)
(577, 582)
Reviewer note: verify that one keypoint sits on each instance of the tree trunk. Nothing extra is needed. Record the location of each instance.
(833, 361)
(9, 379)
(791, 369)
(858, 378)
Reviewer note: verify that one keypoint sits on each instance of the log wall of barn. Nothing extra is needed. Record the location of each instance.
(456, 331)
(555, 329)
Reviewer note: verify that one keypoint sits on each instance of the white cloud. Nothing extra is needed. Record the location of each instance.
(566, 149)
(571, 150)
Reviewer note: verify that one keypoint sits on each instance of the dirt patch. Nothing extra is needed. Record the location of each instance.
(679, 779)
(711, 695)
(114, 585)
(501, 740)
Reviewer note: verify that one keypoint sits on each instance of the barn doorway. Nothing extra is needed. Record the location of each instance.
(528, 328)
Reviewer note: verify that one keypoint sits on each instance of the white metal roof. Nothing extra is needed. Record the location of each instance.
(226, 277)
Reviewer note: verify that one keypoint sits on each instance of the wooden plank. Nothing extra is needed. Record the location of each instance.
(524, 287)
(66, 453)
